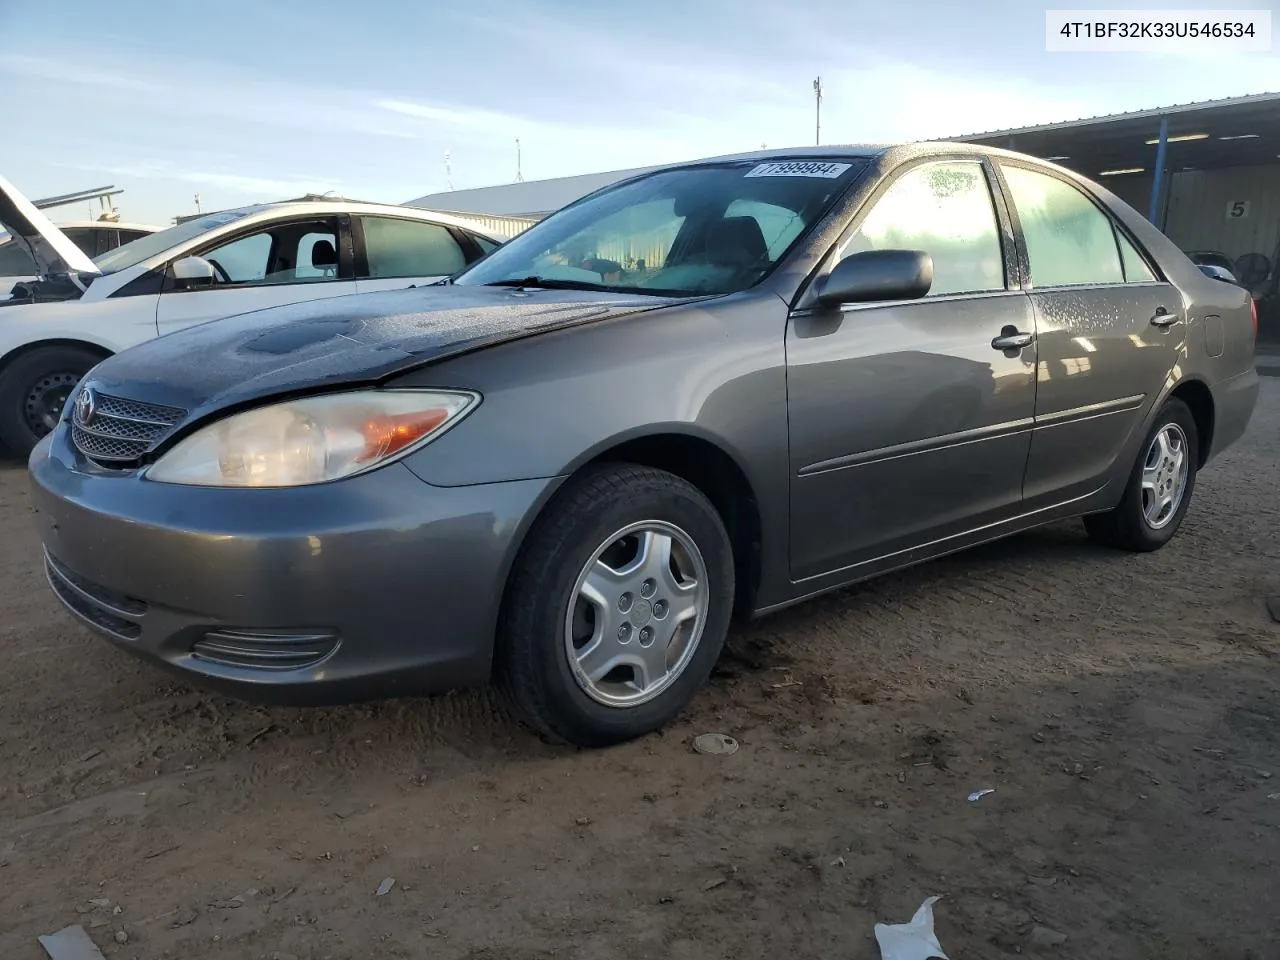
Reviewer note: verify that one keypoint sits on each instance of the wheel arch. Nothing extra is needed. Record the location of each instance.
(17, 431)
(1195, 393)
(34, 345)
(700, 460)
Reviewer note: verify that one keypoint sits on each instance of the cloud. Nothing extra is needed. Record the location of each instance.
(237, 182)
(63, 71)
(238, 95)
(468, 118)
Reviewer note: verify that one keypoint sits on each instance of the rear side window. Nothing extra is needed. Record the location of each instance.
(1070, 242)
(1135, 268)
(944, 209)
(410, 248)
(484, 243)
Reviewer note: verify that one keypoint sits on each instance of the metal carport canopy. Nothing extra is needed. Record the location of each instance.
(1209, 135)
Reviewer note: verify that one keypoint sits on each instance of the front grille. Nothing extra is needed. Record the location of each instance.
(118, 430)
(264, 650)
(105, 609)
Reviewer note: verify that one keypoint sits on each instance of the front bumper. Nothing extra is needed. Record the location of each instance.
(379, 585)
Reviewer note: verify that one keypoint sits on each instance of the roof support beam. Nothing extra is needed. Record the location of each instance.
(1157, 181)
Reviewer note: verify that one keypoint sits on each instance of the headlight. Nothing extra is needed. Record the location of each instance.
(311, 440)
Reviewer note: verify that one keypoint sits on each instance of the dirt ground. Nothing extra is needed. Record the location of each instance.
(1126, 710)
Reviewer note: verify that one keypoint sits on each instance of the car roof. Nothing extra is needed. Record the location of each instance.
(887, 154)
(107, 225)
(331, 205)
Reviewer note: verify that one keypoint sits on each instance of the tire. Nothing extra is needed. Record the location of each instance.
(1129, 526)
(30, 386)
(546, 622)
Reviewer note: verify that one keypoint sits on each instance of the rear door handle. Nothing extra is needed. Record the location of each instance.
(1011, 339)
(1164, 318)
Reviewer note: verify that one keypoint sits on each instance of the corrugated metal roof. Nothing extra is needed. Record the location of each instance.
(1169, 111)
(527, 198)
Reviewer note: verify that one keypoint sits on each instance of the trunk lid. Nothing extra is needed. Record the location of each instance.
(53, 250)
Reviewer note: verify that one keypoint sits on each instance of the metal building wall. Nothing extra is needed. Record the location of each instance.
(1200, 204)
(1133, 189)
(506, 227)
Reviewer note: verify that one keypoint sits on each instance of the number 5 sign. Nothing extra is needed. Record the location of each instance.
(1237, 209)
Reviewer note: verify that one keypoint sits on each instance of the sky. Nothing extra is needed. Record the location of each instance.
(245, 101)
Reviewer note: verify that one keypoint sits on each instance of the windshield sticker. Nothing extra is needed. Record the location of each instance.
(800, 168)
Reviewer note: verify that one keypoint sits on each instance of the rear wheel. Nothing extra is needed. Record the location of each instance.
(1160, 486)
(618, 607)
(34, 388)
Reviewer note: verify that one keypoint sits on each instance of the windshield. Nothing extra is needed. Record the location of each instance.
(703, 230)
(144, 248)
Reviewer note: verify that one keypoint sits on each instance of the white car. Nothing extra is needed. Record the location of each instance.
(82, 310)
(94, 237)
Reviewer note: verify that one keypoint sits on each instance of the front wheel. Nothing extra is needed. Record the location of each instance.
(1160, 486)
(618, 607)
(34, 388)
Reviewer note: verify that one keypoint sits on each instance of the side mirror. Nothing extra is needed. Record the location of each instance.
(878, 275)
(192, 272)
(1218, 273)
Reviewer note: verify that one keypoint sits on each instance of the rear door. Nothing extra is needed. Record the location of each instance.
(1109, 332)
(266, 265)
(393, 253)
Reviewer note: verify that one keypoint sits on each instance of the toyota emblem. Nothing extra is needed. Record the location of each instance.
(86, 406)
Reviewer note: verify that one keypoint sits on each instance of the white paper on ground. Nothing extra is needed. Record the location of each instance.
(914, 940)
(70, 943)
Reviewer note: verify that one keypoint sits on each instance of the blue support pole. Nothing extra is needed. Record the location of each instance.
(1157, 181)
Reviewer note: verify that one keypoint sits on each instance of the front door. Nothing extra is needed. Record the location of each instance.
(907, 424)
(287, 261)
(1109, 333)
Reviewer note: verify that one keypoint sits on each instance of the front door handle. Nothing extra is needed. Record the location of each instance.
(1164, 318)
(1011, 339)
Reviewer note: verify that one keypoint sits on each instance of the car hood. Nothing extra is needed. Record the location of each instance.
(352, 340)
(53, 250)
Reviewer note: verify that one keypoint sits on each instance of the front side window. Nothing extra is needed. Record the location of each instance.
(300, 251)
(704, 230)
(243, 260)
(944, 209)
(317, 256)
(1070, 242)
(86, 238)
(16, 259)
(410, 248)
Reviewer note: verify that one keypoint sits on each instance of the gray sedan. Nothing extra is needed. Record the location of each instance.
(711, 390)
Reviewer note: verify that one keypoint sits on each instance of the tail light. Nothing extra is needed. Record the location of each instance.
(1253, 312)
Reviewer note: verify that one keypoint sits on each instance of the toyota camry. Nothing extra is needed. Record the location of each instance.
(711, 390)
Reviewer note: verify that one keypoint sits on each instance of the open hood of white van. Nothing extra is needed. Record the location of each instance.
(53, 250)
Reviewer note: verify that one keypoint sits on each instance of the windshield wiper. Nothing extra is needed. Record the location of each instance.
(547, 283)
